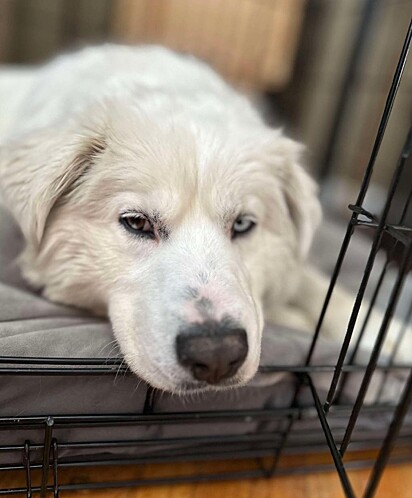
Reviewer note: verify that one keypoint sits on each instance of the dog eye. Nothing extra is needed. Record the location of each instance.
(137, 224)
(242, 225)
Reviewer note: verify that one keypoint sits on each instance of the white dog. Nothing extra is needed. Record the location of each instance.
(149, 190)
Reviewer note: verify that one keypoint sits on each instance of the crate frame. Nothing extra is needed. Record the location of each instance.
(51, 466)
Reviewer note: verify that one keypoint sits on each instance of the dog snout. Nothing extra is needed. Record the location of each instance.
(211, 351)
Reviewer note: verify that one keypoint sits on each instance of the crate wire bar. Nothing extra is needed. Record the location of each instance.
(264, 449)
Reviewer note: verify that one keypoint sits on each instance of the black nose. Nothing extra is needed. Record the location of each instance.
(212, 351)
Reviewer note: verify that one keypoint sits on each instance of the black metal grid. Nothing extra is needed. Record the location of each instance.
(264, 449)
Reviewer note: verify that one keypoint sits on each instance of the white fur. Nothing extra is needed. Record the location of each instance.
(116, 128)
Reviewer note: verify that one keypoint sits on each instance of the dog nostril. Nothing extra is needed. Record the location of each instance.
(211, 351)
(200, 365)
(200, 371)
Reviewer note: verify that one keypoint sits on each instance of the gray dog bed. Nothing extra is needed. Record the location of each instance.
(32, 326)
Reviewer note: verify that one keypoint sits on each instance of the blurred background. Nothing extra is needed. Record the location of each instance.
(320, 68)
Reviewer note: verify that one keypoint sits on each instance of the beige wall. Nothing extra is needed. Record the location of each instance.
(252, 43)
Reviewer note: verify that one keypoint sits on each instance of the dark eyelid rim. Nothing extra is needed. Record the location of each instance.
(153, 219)
(129, 214)
(251, 218)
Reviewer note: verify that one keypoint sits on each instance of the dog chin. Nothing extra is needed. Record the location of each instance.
(192, 386)
(199, 387)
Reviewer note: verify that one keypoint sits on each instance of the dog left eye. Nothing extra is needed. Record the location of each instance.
(242, 225)
(137, 224)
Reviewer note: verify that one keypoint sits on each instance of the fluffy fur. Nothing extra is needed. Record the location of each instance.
(115, 129)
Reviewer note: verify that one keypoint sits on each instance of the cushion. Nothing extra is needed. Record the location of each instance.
(32, 326)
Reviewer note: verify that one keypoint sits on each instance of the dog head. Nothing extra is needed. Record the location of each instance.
(178, 233)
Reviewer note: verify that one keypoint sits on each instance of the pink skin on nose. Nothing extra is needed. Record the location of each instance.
(191, 314)
(204, 305)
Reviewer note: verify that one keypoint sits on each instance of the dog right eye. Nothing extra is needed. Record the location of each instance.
(137, 224)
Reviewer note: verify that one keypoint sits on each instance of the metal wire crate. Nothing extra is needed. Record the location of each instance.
(281, 431)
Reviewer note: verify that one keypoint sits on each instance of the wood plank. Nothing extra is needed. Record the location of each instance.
(397, 481)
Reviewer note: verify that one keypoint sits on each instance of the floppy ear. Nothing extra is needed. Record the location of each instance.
(37, 170)
(300, 191)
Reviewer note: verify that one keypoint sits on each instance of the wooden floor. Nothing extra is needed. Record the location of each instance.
(396, 482)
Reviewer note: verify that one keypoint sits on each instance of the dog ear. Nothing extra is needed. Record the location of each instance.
(39, 169)
(299, 189)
